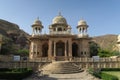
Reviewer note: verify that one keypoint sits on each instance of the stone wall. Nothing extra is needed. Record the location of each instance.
(81, 62)
(6, 58)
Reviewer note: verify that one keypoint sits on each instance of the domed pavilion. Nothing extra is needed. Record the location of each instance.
(60, 44)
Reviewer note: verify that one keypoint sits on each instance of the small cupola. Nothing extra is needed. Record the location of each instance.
(82, 28)
(37, 27)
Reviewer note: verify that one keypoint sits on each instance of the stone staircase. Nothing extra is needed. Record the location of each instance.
(61, 67)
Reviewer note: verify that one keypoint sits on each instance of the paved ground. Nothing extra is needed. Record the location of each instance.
(76, 76)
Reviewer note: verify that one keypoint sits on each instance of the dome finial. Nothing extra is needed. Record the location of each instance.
(38, 18)
(59, 14)
(82, 18)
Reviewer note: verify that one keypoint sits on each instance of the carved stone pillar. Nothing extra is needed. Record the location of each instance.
(54, 49)
(50, 49)
(65, 50)
(70, 49)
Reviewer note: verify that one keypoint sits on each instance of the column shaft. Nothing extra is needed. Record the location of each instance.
(70, 48)
(50, 48)
(54, 49)
(65, 50)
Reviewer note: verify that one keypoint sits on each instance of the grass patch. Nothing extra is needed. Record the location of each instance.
(106, 73)
(106, 76)
(114, 73)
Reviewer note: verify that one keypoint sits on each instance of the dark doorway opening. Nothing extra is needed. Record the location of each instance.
(74, 50)
(60, 48)
(45, 50)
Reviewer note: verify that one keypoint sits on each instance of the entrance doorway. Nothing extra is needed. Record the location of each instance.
(74, 50)
(60, 48)
(45, 50)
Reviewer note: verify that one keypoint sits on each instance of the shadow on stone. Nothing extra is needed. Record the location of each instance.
(40, 77)
(47, 78)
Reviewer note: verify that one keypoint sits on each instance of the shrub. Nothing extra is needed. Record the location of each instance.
(102, 75)
(15, 74)
(4, 69)
(110, 69)
(95, 73)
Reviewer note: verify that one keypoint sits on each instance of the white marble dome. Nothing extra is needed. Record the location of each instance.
(59, 20)
(37, 22)
(82, 22)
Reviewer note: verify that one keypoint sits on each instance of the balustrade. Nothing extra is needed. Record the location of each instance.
(85, 62)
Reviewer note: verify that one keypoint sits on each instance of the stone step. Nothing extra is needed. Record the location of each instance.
(61, 67)
(67, 71)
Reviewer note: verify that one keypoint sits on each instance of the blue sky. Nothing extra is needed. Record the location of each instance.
(102, 16)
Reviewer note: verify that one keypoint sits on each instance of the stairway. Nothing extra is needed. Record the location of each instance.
(61, 67)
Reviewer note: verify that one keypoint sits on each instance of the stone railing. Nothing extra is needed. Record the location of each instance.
(4, 58)
(81, 62)
(93, 60)
(60, 32)
(43, 59)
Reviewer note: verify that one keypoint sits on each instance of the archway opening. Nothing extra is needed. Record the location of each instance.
(45, 50)
(59, 29)
(74, 50)
(60, 48)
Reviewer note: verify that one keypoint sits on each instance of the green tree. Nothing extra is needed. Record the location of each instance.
(7, 46)
(94, 47)
(23, 52)
(115, 53)
(105, 53)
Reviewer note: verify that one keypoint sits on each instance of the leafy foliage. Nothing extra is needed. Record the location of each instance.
(23, 52)
(7, 46)
(108, 53)
(104, 53)
(110, 69)
(94, 47)
(95, 73)
(95, 50)
(15, 74)
(102, 75)
(116, 53)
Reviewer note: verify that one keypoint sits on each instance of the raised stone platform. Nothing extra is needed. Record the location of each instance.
(61, 67)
